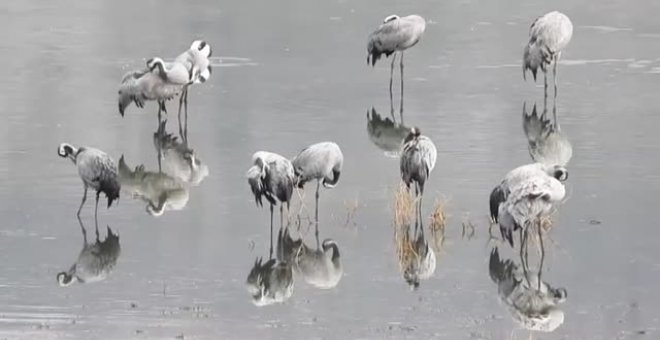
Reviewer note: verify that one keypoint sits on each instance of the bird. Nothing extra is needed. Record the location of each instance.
(95, 261)
(546, 143)
(322, 162)
(395, 34)
(532, 302)
(177, 159)
(418, 157)
(386, 134)
(526, 204)
(271, 176)
(96, 169)
(529, 176)
(160, 191)
(548, 36)
(196, 62)
(320, 267)
(270, 282)
(144, 85)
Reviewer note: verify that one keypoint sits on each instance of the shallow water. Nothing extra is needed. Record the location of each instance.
(294, 74)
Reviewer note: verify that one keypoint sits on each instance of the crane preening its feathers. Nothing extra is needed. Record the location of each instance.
(97, 171)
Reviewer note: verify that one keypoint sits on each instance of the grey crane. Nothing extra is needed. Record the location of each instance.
(95, 261)
(547, 144)
(514, 178)
(196, 62)
(160, 191)
(395, 34)
(548, 36)
(527, 202)
(322, 162)
(418, 157)
(97, 171)
(533, 303)
(271, 282)
(144, 85)
(320, 267)
(271, 176)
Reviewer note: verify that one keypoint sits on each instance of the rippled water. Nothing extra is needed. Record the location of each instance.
(291, 74)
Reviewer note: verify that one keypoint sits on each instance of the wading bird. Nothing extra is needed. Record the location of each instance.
(95, 261)
(97, 171)
(145, 85)
(548, 36)
(271, 176)
(418, 156)
(322, 162)
(395, 34)
(526, 204)
(525, 174)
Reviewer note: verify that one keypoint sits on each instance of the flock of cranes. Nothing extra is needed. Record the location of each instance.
(525, 196)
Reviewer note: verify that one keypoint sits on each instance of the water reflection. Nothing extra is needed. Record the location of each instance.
(387, 134)
(546, 142)
(532, 303)
(270, 282)
(95, 261)
(176, 158)
(416, 258)
(319, 266)
(179, 168)
(158, 190)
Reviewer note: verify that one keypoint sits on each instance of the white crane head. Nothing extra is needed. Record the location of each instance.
(66, 279)
(66, 150)
(202, 47)
(390, 18)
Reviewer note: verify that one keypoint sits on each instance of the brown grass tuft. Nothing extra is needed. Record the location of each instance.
(437, 225)
(404, 207)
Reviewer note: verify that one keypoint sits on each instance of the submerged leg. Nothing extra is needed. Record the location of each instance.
(83, 201)
(392, 71)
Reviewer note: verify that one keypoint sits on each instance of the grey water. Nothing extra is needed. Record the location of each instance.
(291, 73)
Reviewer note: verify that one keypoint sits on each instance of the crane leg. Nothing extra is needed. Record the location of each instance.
(401, 101)
(270, 254)
(83, 201)
(96, 210)
(392, 71)
(542, 253)
(554, 72)
(316, 214)
(545, 82)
